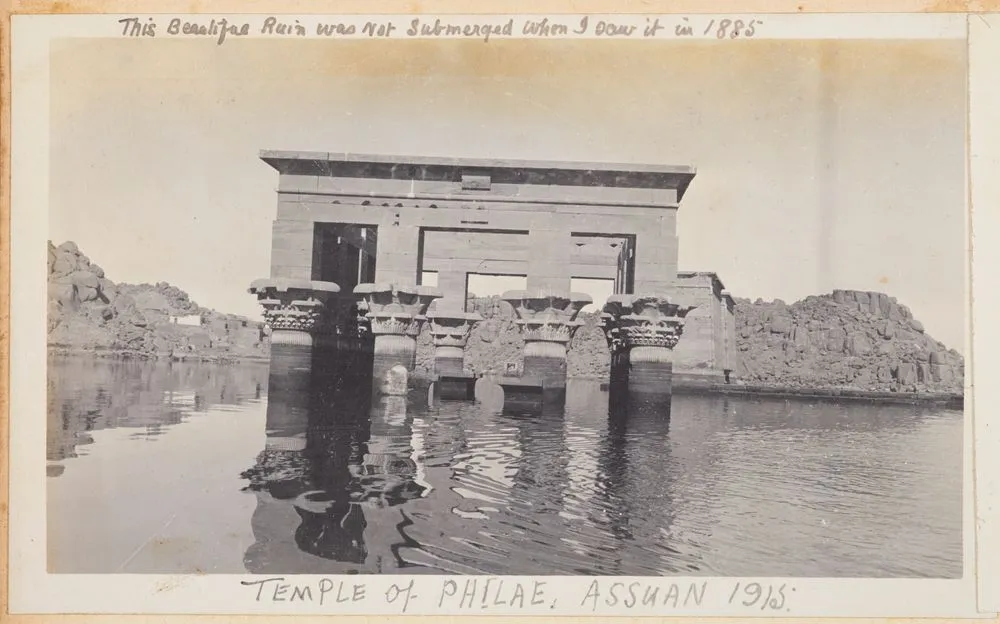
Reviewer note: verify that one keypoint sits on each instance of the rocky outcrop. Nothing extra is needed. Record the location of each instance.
(847, 339)
(87, 312)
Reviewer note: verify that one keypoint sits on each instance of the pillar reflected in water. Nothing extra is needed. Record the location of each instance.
(333, 472)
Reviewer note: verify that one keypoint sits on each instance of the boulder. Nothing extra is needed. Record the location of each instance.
(87, 284)
(69, 247)
(941, 373)
(887, 330)
(64, 294)
(63, 265)
(108, 289)
(923, 372)
(886, 304)
(781, 325)
(858, 344)
(874, 303)
(123, 304)
(906, 373)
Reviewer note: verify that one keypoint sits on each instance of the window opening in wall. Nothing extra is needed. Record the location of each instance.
(599, 290)
(429, 278)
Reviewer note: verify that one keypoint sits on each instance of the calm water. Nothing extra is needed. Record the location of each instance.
(195, 468)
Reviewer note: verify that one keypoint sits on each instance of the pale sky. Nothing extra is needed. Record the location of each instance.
(807, 181)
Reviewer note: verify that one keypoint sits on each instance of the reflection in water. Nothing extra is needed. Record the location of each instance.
(90, 394)
(342, 484)
(333, 473)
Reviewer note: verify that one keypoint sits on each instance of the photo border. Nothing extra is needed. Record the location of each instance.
(984, 210)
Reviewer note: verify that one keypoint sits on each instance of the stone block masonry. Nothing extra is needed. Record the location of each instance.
(549, 222)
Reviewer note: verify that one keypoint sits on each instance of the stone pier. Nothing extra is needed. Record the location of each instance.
(642, 331)
(547, 320)
(450, 331)
(395, 315)
(297, 314)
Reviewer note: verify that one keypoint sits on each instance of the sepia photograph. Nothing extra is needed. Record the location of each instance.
(503, 309)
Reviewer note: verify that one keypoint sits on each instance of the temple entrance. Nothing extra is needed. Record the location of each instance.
(344, 253)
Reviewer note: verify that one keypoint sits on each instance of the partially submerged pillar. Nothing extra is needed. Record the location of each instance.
(547, 320)
(642, 331)
(395, 316)
(297, 314)
(450, 329)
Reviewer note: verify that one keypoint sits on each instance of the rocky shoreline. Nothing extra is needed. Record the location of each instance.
(89, 313)
(845, 345)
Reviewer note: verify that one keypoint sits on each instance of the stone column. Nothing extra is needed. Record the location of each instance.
(450, 330)
(296, 313)
(642, 330)
(395, 316)
(547, 320)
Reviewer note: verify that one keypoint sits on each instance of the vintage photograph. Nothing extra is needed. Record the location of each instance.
(674, 308)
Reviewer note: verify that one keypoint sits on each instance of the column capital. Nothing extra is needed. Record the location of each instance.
(644, 320)
(450, 328)
(393, 309)
(547, 315)
(294, 305)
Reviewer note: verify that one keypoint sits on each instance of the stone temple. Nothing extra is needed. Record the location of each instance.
(357, 238)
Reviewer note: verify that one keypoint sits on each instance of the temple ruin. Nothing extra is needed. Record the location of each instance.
(357, 238)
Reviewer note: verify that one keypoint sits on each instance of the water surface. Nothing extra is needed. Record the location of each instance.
(180, 468)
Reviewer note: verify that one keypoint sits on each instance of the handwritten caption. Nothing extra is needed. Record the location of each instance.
(625, 27)
(507, 595)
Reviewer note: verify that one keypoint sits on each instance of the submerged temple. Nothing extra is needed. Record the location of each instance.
(367, 250)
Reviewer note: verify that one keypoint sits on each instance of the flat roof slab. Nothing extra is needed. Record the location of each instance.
(500, 171)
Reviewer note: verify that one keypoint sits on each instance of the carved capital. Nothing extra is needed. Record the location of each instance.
(544, 305)
(394, 324)
(547, 316)
(548, 330)
(452, 329)
(295, 305)
(391, 309)
(644, 320)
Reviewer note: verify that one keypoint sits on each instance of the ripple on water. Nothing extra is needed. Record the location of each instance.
(721, 486)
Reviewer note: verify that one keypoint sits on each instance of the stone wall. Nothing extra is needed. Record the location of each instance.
(705, 346)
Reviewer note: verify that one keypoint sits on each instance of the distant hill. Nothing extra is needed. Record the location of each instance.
(87, 312)
(847, 339)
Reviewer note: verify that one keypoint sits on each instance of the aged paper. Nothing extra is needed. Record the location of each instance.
(509, 314)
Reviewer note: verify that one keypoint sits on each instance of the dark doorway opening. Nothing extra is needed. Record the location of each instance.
(344, 253)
